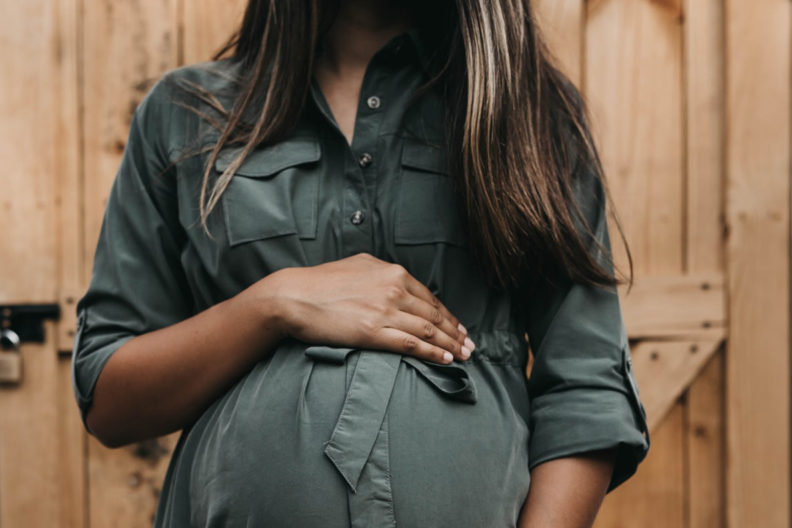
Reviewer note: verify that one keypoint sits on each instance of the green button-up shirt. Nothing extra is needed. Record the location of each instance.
(332, 436)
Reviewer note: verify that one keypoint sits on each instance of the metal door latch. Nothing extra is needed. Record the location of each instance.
(21, 323)
(10, 357)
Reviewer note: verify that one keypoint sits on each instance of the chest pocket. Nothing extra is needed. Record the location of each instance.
(274, 192)
(426, 204)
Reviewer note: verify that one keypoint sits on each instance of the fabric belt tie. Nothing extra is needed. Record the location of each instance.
(360, 423)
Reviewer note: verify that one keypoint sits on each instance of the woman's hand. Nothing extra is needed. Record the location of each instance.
(362, 301)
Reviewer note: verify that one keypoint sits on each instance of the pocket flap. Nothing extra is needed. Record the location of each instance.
(424, 157)
(271, 159)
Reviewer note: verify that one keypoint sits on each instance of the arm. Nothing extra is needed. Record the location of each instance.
(588, 425)
(144, 363)
(567, 492)
(158, 382)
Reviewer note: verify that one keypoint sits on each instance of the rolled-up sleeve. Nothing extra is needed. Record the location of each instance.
(583, 392)
(137, 283)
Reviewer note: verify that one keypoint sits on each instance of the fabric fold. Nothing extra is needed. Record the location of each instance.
(362, 415)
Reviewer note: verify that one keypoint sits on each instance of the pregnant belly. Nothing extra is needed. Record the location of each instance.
(345, 437)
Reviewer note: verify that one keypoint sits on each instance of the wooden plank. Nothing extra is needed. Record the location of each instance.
(633, 80)
(127, 46)
(29, 112)
(653, 497)
(665, 369)
(680, 306)
(705, 247)
(561, 23)
(70, 441)
(705, 427)
(207, 26)
(705, 134)
(758, 251)
(41, 464)
(67, 159)
(130, 479)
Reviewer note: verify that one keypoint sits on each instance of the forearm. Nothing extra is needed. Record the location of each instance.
(158, 382)
(567, 492)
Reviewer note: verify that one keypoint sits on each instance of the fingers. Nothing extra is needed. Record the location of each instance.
(429, 308)
(450, 336)
(405, 343)
(429, 332)
(415, 287)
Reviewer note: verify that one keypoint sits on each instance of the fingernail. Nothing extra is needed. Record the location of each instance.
(465, 352)
(469, 343)
(447, 357)
(462, 328)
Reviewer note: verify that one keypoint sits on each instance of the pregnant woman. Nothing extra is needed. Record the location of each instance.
(321, 257)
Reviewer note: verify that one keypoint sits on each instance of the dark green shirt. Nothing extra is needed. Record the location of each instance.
(332, 436)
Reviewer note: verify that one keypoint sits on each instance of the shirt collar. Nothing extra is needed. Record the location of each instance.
(411, 41)
(419, 44)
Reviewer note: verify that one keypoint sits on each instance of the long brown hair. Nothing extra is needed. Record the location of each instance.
(519, 125)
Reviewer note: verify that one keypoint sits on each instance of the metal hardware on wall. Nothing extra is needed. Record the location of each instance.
(10, 358)
(20, 323)
(27, 320)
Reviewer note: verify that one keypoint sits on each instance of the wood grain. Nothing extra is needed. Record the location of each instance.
(206, 27)
(633, 81)
(665, 369)
(561, 23)
(705, 427)
(680, 306)
(41, 451)
(757, 204)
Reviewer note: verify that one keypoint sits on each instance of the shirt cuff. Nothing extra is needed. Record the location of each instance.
(572, 421)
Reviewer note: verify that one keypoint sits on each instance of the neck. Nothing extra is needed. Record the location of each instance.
(360, 29)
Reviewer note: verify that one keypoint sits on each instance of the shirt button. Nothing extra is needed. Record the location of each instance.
(357, 217)
(365, 159)
(373, 102)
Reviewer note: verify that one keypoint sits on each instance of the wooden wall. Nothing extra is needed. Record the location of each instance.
(690, 103)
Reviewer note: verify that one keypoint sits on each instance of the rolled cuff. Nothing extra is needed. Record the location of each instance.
(575, 420)
(86, 365)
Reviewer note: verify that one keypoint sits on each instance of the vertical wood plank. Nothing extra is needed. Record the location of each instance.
(41, 475)
(705, 134)
(561, 23)
(705, 245)
(29, 111)
(127, 46)
(208, 25)
(758, 185)
(67, 155)
(706, 450)
(633, 81)
(70, 450)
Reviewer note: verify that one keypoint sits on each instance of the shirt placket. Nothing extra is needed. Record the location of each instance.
(361, 159)
(358, 447)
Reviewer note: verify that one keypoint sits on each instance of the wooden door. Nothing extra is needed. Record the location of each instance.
(690, 105)
(41, 440)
